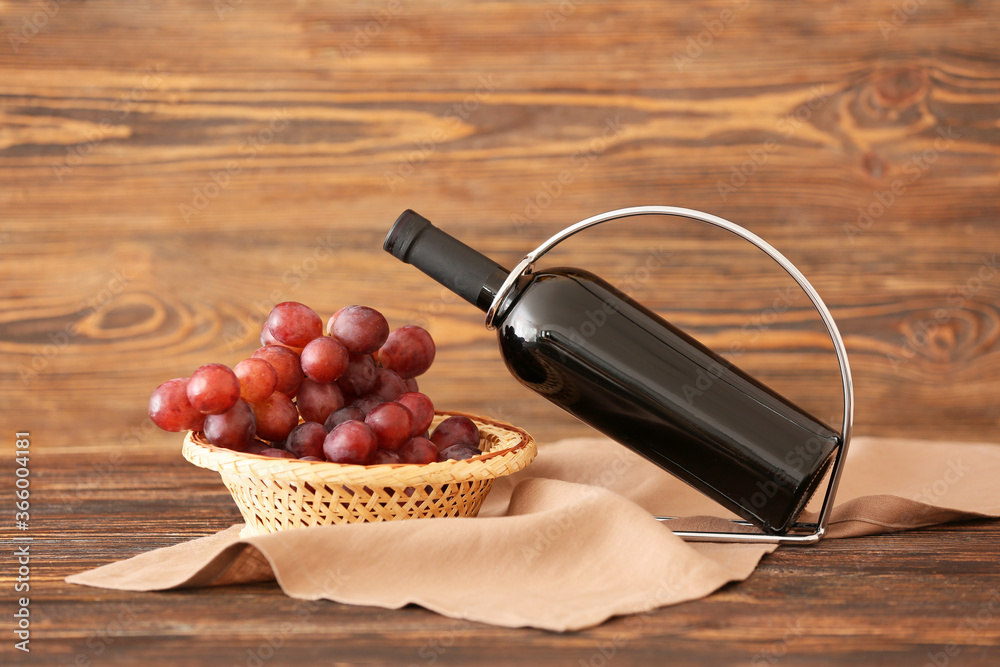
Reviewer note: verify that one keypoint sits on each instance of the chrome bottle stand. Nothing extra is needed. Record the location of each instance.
(799, 533)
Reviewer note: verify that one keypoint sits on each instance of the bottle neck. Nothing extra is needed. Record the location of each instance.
(466, 272)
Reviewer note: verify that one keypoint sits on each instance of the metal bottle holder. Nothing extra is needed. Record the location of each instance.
(798, 533)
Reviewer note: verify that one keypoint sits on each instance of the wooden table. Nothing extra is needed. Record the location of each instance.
(169, 172)
(894, 600)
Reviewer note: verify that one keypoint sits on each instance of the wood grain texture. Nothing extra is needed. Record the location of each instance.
(169, 171)
(892, 599)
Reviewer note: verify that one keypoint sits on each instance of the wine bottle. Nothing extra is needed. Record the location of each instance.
(575, 339)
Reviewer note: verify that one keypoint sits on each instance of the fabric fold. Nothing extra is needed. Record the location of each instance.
(568, 542)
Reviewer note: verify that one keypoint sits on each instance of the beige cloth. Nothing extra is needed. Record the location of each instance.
(568, 542)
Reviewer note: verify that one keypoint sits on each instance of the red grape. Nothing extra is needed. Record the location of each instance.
(258, 379)
(384, 456)
(286, 364)
(170, 409)
(345, 414)
(421, 407)
(456, 430)
(418, 450)
(392, 424)
(359, 378)
(408, 350)
(233, 428)
(457, 453)
(351, 442)
(388, 384)
(316, 401)
(367, 403)
(267, 338)
(276, 417)
(360, 362)
(311, 458)
(294, 324)
(213, 388)
(256, 446)
(361, 329)
(324, 359)
(276, 453)
(306, 439)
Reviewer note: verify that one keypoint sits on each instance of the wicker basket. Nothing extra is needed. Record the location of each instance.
(278, 494)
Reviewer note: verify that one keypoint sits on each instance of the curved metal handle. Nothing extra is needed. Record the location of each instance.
(526, 265)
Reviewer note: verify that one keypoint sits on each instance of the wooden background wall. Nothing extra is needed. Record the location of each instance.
(168, 171)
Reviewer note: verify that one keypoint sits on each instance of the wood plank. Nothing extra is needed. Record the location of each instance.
(170, 171)
(887, 599)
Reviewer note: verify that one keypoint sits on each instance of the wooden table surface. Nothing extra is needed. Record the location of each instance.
(169, 171)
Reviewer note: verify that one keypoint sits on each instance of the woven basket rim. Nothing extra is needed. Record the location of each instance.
(488, 465)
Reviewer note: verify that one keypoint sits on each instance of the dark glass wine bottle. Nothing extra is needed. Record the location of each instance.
(598, 354)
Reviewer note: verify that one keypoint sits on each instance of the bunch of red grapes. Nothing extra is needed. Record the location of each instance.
(349, 396)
